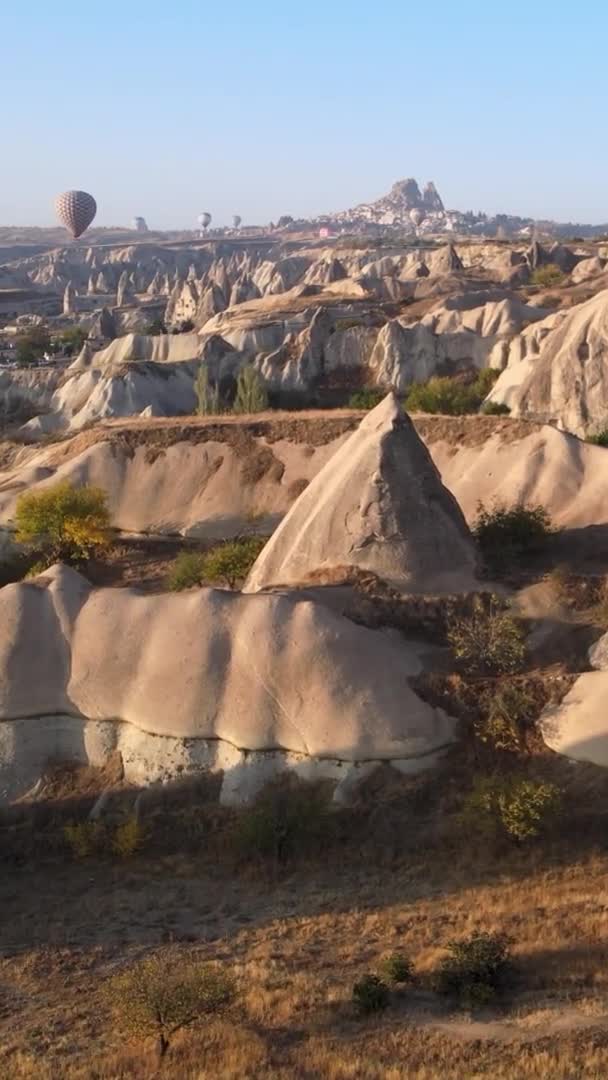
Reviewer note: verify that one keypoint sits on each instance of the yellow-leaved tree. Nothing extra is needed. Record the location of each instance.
(63, 523)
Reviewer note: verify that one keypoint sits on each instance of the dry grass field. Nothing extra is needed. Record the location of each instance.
(396, 873)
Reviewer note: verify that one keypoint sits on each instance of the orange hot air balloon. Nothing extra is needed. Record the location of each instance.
(76, 210)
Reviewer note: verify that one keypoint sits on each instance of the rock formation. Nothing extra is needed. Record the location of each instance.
(69, 300)
(431, 198)
(378, 504)
(566, 381)
(196, 676)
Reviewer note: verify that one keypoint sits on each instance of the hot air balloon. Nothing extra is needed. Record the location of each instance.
(139, 224)
(204, 220)
(236, 221)
(76, 210)
(417, 216)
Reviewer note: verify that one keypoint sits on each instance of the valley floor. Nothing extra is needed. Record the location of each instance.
(297, 939)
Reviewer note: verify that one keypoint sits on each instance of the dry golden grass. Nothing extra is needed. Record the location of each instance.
(296, 943)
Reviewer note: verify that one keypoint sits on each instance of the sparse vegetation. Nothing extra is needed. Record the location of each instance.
(504, 534)
(451, 395)
(512, 806)
(489, 641)
(251, 395)
(547, 276)
(63, 522)
(371, 994)
(289, 819)
(160, 996)
(365, 399)
(475, 969)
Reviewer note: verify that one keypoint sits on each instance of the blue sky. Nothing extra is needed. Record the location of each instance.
(167, 109)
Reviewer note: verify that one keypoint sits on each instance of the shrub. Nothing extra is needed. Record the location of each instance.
(187, 571)
(451, 396)
(600, 438)
(505, 534)
(547, 276)
(85, 838)
(63, 522)
(512, 806)
(251, 396)
(207, 397)
(160, 995)
(475, 969)
(128, 837)
(495, 408)
(370, 994)
(508, 714)
(365, 399)
(231, 562)
(289, 818)
(488, 641)
(396, 968)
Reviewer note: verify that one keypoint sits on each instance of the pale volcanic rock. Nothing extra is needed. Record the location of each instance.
(84, 670)
(567, 381)
(378, 504)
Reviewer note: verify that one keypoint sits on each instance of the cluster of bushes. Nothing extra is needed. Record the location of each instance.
(227, 564)
(88, 839)
(471, 974)
(451, 396)
(33, 343)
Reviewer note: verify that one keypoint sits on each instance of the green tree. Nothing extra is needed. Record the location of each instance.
(32, 344)
(161, 995)
(207, 397)
(63, 522)
(73, 339)
(156, 327)
(251, 396)
(230, 563)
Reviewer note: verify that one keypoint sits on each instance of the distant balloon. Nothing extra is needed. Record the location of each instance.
(204, 220)
(76, 210)
(139, 224)
(236, 221)
(417, 217)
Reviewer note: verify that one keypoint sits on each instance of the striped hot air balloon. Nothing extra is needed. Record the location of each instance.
(76, 210)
